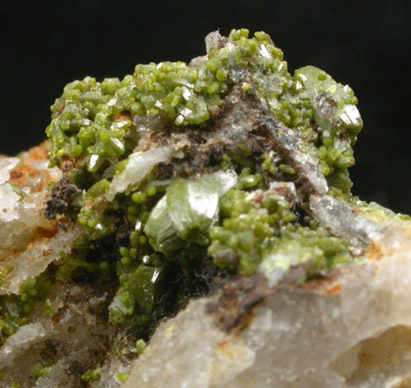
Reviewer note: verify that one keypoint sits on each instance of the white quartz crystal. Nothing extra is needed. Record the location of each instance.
(8, 198)
(9, 202)
(6, 164)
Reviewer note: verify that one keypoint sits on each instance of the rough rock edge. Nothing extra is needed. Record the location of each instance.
(26, 236)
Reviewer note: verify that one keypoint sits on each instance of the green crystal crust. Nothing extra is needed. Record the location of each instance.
(170, 179)
(15, 310)
(92, 121)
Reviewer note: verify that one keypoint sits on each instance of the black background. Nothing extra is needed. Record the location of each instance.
(45, 45)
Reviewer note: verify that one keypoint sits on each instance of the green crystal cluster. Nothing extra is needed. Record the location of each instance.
(15, 310)
(165, 225)
(92, 120)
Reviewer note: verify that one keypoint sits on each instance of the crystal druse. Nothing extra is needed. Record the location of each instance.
(224, 180)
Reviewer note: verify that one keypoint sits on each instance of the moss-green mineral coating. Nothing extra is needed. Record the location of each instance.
(41, 370)
(16, 309)
(92, 375)
(170, 178)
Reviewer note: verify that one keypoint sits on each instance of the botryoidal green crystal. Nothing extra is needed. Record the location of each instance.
(211, 167)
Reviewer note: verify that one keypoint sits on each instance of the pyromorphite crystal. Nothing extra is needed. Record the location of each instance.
(211, 163)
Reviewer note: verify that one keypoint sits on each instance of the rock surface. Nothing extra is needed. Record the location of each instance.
(350, 330)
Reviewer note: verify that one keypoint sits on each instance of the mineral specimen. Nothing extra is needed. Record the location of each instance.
(225, 181)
